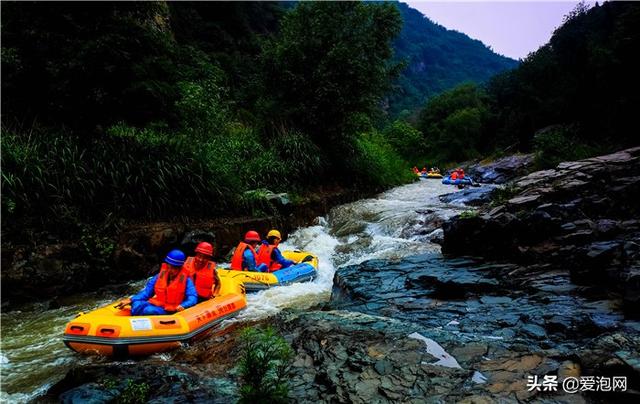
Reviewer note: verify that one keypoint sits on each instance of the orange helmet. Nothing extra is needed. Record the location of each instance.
(205, 248)
(252, 235)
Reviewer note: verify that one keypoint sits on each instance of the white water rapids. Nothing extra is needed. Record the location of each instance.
(389, 226)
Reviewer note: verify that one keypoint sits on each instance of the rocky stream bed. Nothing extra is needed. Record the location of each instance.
(540, 281)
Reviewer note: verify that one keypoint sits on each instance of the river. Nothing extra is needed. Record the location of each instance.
(398, 223)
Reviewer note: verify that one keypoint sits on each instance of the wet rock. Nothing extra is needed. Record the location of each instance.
(575, 216)
(470, 352)
(522, 201)
(501, 170)
(631, 296)
(534, 331)
(90, 393)
(383, 367)
(192, 237)
(148, 382)
(469, 196)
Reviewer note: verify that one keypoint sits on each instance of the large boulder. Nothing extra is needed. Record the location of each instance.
(579, 216)
(501, 170)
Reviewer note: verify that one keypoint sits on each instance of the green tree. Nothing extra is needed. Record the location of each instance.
(405, 139)
(586, 78)
(331, 61)
(454, 123)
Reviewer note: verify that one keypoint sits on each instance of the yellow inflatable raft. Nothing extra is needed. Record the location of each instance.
(112, 331)
(301, 272)
(434, 174)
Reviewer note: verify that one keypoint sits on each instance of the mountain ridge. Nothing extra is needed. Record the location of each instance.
(437, 59)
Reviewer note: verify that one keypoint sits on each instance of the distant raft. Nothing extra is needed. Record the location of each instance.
(459, 181)
(434, 174)
(254, 281)
(112, 330)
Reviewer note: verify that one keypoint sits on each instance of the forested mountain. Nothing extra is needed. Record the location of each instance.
(437, 60)
(576, 96)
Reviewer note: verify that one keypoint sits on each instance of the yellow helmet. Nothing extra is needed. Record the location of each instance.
(274, 233)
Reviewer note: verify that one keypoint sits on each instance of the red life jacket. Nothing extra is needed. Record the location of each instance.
(236, 261)
(203, 279)
(461, 174)
(169, 295)
(264, 257)
(454, 175)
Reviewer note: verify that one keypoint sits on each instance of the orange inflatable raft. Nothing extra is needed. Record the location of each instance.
(112, 331)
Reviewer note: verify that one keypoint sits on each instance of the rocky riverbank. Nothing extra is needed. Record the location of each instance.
(427, 327)
(582, 216)
(422, 328)
(43, 266)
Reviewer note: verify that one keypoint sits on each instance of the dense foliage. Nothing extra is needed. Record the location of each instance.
(159, 110)
(155, 109)
(329, 64)
(574, 97)
(586, 76)
(454, 123)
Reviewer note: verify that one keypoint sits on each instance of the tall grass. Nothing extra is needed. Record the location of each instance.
(65, 177)
(148, 173)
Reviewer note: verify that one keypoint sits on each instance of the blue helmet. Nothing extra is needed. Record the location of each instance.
(175, 258)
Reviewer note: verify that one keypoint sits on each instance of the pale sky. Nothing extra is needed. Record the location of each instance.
(510, 28)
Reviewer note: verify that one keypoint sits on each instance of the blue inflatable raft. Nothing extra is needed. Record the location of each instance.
(464, 181)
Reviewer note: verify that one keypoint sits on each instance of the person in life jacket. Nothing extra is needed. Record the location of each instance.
(245, 257)
(424, 170)
(270, 255)
(460, 173)
(169, 291)
(415, 170)
(454, 175)
(202, 271)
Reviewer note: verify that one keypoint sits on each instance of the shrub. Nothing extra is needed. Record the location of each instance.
(469, 214)
(405, 139)
(304, 161)
(134, 393)
(454, 123)
(555, 144)
(378, 163)
(502, 194)
(264, 366)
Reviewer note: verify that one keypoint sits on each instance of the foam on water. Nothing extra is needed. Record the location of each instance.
(389, 226)
(381, 228)
(315, 239)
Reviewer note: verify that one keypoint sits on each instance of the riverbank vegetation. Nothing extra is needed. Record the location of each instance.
(265, 366)
(162, 110)
(572, 98)
(165, 110)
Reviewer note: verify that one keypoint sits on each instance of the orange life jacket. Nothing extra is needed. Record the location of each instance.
(169, 295)
(236, 261)
(203, 279)
(264, 257)
(454, 175)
